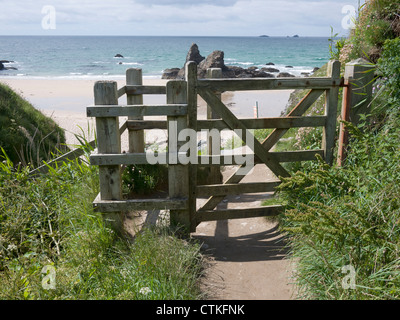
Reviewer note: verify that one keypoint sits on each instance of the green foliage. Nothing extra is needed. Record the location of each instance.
(377, 32)
(144, 179)
(389, 68)
(348, 216)
(378, 21)
(340, 217)
(27, 135)
(335, 45)
(49, 221)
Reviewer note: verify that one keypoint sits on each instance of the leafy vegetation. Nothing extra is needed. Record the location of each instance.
(47, 224)
(343, 222)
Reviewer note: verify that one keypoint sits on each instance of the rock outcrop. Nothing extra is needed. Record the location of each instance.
(216, 60)
(3, 67)
(170, 73)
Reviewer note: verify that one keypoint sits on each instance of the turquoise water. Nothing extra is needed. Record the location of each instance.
(87, 57)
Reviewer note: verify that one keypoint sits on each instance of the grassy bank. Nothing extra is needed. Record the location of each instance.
(48, 231)
(343, 222)
(26, 135)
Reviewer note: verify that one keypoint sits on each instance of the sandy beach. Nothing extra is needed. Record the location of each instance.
(65, 101)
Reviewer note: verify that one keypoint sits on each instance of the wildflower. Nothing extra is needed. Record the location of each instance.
(11, 247)
(145, 291)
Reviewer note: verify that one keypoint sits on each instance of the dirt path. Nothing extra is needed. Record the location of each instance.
(247, 255)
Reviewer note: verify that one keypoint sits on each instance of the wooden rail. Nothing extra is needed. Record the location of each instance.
(181, 109)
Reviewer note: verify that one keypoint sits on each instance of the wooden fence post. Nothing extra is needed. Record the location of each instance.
(214, 172)
(109, 142)
(178, 174)
(191, 81)
(357, 95)
(136, 138)
(331, 105)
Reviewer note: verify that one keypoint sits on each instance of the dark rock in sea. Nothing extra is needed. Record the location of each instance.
(285, 75)
(270, 64)
(296, 36)
(170, 73)
(315, 69)
(2, 66)
(194, 54)
(288, 66)
(118, 55)
(262, 74)
(264, 36)
(269, 70)
(213, 60)
(305, 74)
(216, 60)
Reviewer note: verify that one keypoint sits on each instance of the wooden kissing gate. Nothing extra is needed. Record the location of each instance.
(181, 110)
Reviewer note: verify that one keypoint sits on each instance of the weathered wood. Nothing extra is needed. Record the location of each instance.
(69, 156)
(109, 142)
(266, 123)
(296, 156)
(269, 142)
(298, 110)
(211, 215)
(232, 122)
(133, 158)
(140, 89)
(331, 106)
(221, 85)
(287, 156)
(191, 81)
(105, 111)
(121, 91)
(110, 206)
(213, 147)
(203, 160)
(260, 123)
(135, 138)
(357, 95)
(178, 174)
(146, 124)
(240, 188)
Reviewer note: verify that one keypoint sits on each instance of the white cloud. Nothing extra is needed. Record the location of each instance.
(175, 17)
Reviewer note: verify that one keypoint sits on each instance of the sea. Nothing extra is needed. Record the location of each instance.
(94, 57)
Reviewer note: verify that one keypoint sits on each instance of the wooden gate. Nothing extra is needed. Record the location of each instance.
(181, 113)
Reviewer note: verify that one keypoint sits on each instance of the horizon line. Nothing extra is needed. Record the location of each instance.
(182, 36)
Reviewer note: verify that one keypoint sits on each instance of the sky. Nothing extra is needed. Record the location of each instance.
(176, 17)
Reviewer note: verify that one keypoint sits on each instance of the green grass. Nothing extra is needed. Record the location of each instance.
(26, 134)
(347, 218)
(49, 220)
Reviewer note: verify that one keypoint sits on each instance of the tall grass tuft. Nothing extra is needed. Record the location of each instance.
(48, 220)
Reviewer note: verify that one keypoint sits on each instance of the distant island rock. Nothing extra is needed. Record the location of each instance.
(216, 60)
(264, 36)
(118, 55)
(296, 36)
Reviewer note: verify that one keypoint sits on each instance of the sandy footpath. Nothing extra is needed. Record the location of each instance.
(248, 255)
